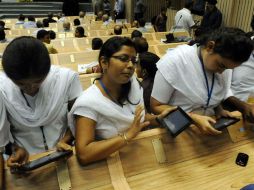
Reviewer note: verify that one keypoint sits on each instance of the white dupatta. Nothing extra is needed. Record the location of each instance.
(49, 102)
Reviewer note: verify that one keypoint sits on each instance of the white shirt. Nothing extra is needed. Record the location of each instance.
(180, 81)
(186, 21)
(30, 24)
(243, 79)
(111, 119)
(48, 108)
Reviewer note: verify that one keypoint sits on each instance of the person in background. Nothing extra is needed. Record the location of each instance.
(98, 6)
(110, 113)
(2, 25)
(139, 9)
(30, 23)
(99, 16)
(2, 36)
(50, 18)
(45, 23)
(118, 30)
(146, 70)
(212, 18)
(136, 34)
(76, 22)
(82, 15)
(105, 20)
(183, 17)
(199, 7)
(119, 9)
(97, 43)
(80, 32)
(106, 7)
(135, 24)
(141, 45)
(161, 20)
(21, 20)
(60, 17)
(66, 26)
(142, 23)
(44, 37)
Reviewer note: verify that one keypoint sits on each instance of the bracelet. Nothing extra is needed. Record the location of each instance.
(123, 135)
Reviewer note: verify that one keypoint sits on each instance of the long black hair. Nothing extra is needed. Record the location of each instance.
(26, 57)
(110, 47)
(230, 43)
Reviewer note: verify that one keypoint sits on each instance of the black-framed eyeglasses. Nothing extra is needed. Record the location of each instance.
(126, 58)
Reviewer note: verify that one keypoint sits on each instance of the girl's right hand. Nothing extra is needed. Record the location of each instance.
(18, 158)
(204, 124)
(136, 125)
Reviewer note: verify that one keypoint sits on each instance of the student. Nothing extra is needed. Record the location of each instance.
(194, 77)
(118, 30)
(66, 26)
(30, 23)
(142, 23)
(21, 20)
(37, 98)
(76, 22)
(2, 36)
(136, 34)
(146, 69)
(112, 109)
(44, 36)
(97, 43)
(80, 32)
(141, 44)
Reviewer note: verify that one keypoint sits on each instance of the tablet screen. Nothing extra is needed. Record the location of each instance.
(177, 121)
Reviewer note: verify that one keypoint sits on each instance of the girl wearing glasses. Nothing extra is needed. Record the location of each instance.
(197, 78)
(111, 110)
(37, 98)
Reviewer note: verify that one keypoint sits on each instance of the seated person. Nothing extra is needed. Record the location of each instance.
(99, 16)
(50, 18)
(2, 25)
(98, 131)
(97, 43)
(52, 35)
(142, 24)
(146, 70)
(45, 23)
(2, 36)
(21, 20)
(197, 78)
(76, 22)
(82, 15)
(61, 17)
(118, 30)
(4, 140)
(44, 37)
(66, 26)
(135, 24)
(37, 97)
(30, 23)
(141, 44)
(79, 32)
(105, 19)
(136, 34)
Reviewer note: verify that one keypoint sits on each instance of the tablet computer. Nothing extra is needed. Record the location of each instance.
(224, 122)
(44, 160)
(176, 121)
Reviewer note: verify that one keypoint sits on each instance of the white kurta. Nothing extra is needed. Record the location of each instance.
(183, 19)
(180, 81)
(4, 126)
(48, 108)
(243, 79)
(111, 119)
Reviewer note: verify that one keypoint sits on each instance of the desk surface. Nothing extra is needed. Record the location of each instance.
(194, 162)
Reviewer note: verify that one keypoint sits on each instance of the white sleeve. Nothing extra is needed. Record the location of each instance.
(162, 90)
(85, 112)
(5, 135)
(191, 21)
(75, 88)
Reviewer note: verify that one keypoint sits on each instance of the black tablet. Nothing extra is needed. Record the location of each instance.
(176, 121)
(44, 160)
(225, 122)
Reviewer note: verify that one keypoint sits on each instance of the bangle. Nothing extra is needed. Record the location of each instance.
(123, 135)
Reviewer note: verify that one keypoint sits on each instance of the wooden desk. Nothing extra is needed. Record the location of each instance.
(194, 162)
